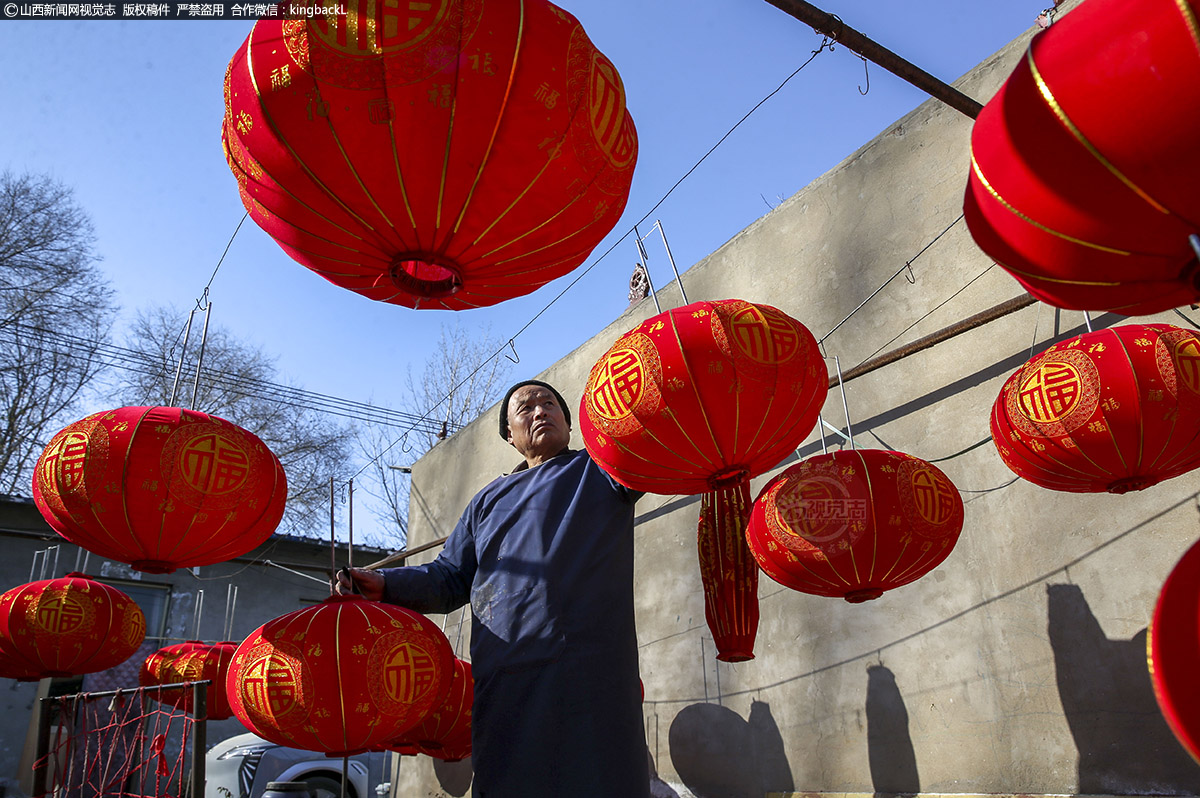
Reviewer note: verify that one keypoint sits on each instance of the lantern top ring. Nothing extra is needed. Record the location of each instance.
(728, 477)
(423, 275)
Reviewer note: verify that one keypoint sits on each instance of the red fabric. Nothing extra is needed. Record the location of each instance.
(69, 626)
(341, 677)
(728, 572)
(1113, 410)
(700, 399)
(855, 523)
(446, 732)
(1123, 74)
(160, 488)
(1173, 649)
(701, 395)
(451, 155)
(190, 662)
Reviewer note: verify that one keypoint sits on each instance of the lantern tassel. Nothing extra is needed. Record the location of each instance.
(728, 571)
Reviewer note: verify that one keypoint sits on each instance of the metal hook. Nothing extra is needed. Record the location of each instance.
(512, 345)
(912, 278)
(868, 74)
(404, 447)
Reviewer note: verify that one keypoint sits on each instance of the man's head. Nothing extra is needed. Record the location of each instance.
(535, 420)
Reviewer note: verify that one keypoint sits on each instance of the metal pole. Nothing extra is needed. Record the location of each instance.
(332, 541)
(41, 762)
(200, 359)
(670, 257)
(187, 334)
(837, 364)
(199, 735)
(350, 525)
(946, 333)
(834, 28)
(642, 258)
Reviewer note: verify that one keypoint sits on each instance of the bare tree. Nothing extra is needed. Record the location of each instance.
(463, 377)
(56, 315)
(238, 383)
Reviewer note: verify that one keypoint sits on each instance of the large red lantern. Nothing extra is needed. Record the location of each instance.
(448, 154)
(160, 488)
(69, 626)
(699, 400)
(1113, 410)
(1085, 165)
(1173, 649)
(855, 523)
(446, 732)
(192, 661)
(341, 677)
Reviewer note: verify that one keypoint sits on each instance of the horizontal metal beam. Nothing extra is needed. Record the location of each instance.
(831, 26)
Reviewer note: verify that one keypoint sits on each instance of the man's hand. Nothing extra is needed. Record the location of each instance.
(369, 584)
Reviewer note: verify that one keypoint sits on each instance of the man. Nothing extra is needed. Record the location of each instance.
(545, 557)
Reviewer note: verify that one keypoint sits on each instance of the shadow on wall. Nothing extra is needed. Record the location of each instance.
(889, 746)
(719, 755)
(1125, 746)
(455, 777)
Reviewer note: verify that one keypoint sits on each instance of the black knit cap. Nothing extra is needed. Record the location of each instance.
(504, 405)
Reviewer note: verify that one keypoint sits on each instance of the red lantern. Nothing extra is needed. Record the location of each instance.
(70, 626)
(160, 488)
(13, 666)
(341, 677)
(448, 156)
(1084, 165)
(1113, 410)
(446, 732)
(1173, 648)
(855, 523)
(699, 400)
(192, 661)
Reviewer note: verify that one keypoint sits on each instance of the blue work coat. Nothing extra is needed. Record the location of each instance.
(545, 557)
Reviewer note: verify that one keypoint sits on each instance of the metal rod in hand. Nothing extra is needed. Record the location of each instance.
(332, 539)
(350, 525)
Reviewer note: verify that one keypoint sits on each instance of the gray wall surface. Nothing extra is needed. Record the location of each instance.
(1018, 665)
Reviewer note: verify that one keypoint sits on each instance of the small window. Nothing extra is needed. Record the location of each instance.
(154, 601)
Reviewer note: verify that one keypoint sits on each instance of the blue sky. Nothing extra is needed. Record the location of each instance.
(129, 113)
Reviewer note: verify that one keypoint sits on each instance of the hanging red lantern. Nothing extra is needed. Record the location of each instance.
(192, 661)
(160, 488)
(1084, 164)
(700, 399)
(13, 666)
(1173, 649)
(446, 732)
(341, 677)
(69, 626)
(1113, 410)
(447, 156)
(855, 523)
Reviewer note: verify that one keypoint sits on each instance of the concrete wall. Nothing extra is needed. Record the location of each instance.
(1018, 665)
(263, 592)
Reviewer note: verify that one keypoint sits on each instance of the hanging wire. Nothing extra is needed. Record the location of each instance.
(906, 267)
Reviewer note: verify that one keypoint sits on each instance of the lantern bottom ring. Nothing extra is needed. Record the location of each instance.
(153, 566)
(1128, 484)
(421, 275)
(863, 594)
(735, 656)
(728, 477)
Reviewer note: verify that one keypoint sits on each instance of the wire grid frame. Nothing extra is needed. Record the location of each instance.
(133, 743)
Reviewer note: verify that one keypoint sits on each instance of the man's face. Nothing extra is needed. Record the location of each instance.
(537, 427)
